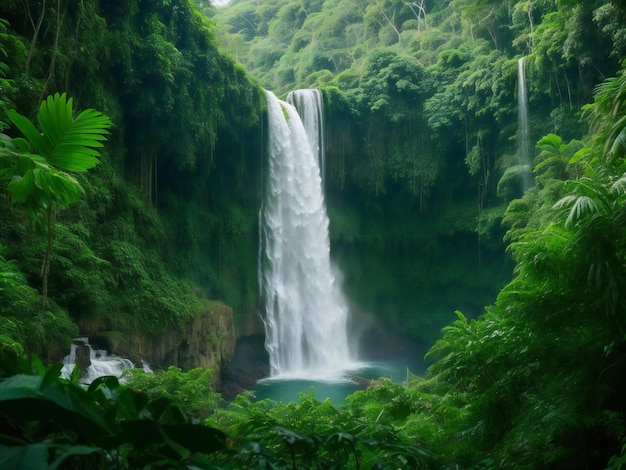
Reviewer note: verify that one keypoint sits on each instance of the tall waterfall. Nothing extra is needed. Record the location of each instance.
(310, 107)
(305, 313)
(522, 125)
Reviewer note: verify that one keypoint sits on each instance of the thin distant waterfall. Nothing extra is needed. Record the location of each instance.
(522, 125)
(305, 313)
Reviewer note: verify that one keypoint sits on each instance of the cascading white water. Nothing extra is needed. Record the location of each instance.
(305, 313)
(522, 124)
(101, 363)
(310, 106)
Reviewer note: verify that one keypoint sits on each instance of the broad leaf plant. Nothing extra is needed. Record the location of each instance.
(34, 168)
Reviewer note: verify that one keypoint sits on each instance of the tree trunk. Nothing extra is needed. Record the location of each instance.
(392, 25)
(50, 74)
(45, 266)
(36, 28)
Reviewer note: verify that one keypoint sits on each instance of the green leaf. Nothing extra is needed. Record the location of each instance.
(31, 456)
(51, 376)
(196, 437)
(63, 188)
(108, 382)
(547, 162)
(27, 128)
(24, 164)
(70, 144)
(20, 386)
(583, 153)
(130, 405)
(181, 450)
(73, 451)
(619, 187)
(38, 177)
(22, 146)
(21, 188)
(77, 408)
(54, 117)
(36, 365)
(552, 143)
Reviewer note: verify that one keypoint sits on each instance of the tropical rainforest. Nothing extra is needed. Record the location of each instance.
(132, 140)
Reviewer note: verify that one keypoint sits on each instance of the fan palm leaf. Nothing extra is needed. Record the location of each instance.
(552, 144)
(66, 143)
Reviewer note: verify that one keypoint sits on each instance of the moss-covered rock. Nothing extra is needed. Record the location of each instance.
(206, 340)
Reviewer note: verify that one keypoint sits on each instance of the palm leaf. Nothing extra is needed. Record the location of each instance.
(619, 186)
(551, 143)
(584, 153)
(547, 162)
(22, 188)
(564, 201)
(580, 206)
(27, 128)
(67, 143)
(620, 139)
(58, 186)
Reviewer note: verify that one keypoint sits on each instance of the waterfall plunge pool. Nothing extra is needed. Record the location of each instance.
(381, 354)
(337, 387)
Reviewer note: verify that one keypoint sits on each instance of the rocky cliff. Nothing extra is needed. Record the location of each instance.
(206, 340)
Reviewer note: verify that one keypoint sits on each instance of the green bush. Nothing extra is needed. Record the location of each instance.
(47, 422)
(190, 391)
(314, 434)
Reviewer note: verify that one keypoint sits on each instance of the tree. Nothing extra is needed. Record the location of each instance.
(34, 168)
(546, 363)
(554, 157)
(607, 116)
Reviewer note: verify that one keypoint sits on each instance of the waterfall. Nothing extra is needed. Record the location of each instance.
(310, 107)
(305, 313)
(522, 126)
(100, 363)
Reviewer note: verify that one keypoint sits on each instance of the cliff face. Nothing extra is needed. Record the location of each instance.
(207, 340)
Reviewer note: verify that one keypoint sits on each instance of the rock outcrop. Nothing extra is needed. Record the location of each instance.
(206, 340)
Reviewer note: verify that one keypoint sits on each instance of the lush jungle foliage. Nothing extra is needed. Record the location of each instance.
(190, 391)
(40, 187)
(422, 127)
(51, 423)
(421, 106)
(155, 225)
(535, 382)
